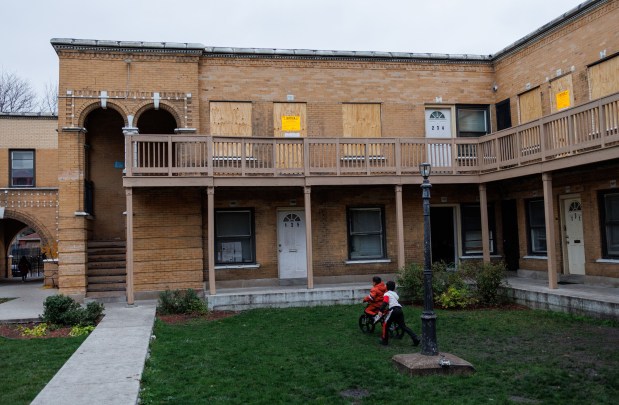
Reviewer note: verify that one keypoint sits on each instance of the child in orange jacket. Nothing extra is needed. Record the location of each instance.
(375, 298)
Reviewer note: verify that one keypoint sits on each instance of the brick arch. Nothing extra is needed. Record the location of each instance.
(163, 106)
(94, 105)
(32, 222)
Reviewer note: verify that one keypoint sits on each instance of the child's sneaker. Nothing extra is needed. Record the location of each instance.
(377, 317)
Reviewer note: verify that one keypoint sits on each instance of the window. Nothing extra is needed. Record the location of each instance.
(473, 120)
(234, 236)
(609, 215)
(22, 168)
(366, 235)
(471, 229)
(536, 224)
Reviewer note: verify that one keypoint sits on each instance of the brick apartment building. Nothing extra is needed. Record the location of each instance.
(28, 180)
(185, 166)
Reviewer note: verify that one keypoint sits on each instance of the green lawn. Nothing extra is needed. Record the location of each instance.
(27, 365)
(317, 355)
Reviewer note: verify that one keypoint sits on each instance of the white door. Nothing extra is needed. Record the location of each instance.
(574, 242)
(438, 125)
(291, 244)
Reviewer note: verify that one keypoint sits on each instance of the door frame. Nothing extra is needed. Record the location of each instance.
(565, 269)
(277, 212)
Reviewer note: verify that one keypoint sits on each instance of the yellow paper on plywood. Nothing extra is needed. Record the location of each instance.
(291, 123)
(563, 99)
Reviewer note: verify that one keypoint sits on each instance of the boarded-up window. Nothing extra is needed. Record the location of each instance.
(361, 121)
(604, 78)
(561, 93)
(230, 119)
(530, 104)
(289, 121)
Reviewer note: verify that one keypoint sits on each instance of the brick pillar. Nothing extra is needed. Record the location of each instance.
(72, 218)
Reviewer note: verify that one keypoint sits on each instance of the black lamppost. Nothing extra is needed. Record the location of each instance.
(429, 347)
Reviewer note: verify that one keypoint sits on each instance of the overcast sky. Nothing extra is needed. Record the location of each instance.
(439, 26)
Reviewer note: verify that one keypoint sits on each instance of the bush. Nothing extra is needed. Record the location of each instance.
(456, 298)
(410, 281)
(64, 310)
(474, 282)
(489, 283)
(181, 302)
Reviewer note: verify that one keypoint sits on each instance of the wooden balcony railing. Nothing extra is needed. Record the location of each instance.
(591, 126)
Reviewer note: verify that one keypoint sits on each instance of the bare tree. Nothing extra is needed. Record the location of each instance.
(49, 100)
(16, 95)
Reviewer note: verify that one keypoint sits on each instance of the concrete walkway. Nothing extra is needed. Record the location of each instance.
(107, 367)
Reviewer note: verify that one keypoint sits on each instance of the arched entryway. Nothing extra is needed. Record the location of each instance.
(22, 238)
(105, 157)
(156, 122)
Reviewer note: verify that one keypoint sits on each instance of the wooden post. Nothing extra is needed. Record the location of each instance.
(129, 196)
(549, 213)
(210, 193)
(399, 215)
(485, 232)
(308, 236)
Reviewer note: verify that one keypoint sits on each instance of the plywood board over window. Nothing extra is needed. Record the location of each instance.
(289, 121)
(530, 105)
(604, 78)
(361, 121)
(230, 119)
(561, 93)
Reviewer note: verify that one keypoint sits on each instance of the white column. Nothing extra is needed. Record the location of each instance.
(210, 192)
(129, 265)
(308, 236)
(399, 214)
(485, 232)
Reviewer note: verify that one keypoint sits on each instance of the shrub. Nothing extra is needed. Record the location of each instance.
(456, 298)
(410, 281)
(181, 302)
(36, 331)
(64, 310)
(81, 330)
(489, 283)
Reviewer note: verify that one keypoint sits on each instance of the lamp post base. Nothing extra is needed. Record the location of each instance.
(417, 364)
(429, 346)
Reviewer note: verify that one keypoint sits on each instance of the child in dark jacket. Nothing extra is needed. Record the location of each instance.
(394, 314)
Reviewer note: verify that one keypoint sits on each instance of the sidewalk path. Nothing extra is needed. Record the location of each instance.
(107, 367)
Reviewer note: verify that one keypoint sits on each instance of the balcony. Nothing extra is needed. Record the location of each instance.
(577, 136)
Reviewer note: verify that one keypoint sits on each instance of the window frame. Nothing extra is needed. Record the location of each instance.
(607, 253)
(251, 238)
(351, 235)
(473, 107)
(466, 227)
(34, 166)
(531, 247)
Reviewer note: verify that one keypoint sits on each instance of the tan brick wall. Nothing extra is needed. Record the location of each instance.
(577, 44)
(402, 89)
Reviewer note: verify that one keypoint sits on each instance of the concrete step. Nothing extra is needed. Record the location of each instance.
(98, 244)
(107, 279)
(105, 296)
(119, 264)
(107, 287)
(106, 251)
(118, 271)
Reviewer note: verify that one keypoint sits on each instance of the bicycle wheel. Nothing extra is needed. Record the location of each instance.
(366, 323)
